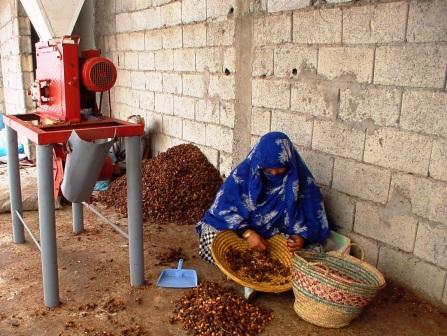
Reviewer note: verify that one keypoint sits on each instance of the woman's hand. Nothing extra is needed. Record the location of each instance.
(295, 243)
(255, 241)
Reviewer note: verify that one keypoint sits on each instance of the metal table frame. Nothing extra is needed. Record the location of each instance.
(47, 223)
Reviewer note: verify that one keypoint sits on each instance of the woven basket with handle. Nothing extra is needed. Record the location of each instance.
(332, 289)
(277, 247)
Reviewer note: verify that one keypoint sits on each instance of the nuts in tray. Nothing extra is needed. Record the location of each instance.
(259, 266)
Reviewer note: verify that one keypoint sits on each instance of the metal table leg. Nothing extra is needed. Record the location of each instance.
(78, 218)
(15, 191)
(134, 210)
(47, 225)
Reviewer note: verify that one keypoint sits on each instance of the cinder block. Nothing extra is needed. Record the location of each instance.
(378, 23)
(123, 23)
(164, 103)
(161, 143)
(154, 81)
(142, 4)
(339, 209)
(216, 8)
(172, 83)
(222, 87)
(151, 18)
(193, 10)
(211, 154)
(431, 243)
(220, 33)
(427, 21)
(290, 61)
(138, 19)
(377, 104)
(184, 60)
(297, 127)
(225, 163)
(194, 35)
(209, 59)
(338, 139)
(314, 98)
(272, 30)
(425, 111)
(438, 160)
(184, 107)
(172, 37)
(152, 40)
(262, 62)
(411, 65)
(399, 150)
(369, 247)
(285, 5)
(207, 110)
(319, 164)
(138, 80)
(219, 137)
(146, 61)
(123, 78)
(131, 60)
(136, 41)
(422, 277)
(270, 93)
(194, 131)
(171, 14)
(172, 126)
(147, 100)
(164, 60)
(337, 61)
(260, 121)
(317, 26)
(387, 225)
(226, 114)
(193, 85)
(358, 179)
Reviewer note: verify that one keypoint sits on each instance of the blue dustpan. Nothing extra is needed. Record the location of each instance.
(178, 278)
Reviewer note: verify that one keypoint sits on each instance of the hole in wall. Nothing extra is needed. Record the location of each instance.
(231, 11)
(227, 72)
(294, 71)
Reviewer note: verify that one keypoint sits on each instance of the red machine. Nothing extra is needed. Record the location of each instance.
(65, 84)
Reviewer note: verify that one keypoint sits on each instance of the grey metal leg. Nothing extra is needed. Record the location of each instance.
(47, 225)
(78, 217)
(134, 210)
(18, 234)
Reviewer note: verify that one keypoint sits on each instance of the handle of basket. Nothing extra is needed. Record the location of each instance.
(320, 264)
(362, 251)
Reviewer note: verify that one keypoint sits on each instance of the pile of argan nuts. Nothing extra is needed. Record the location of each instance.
(259, 266)
(212, 310)
(177, 185)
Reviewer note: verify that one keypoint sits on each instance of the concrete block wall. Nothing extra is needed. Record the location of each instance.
(360, 88)
(176, 67)
(16, 59)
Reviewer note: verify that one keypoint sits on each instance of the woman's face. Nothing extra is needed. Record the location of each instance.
(275, 171)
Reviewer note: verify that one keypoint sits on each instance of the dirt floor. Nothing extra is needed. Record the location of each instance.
(98, 300)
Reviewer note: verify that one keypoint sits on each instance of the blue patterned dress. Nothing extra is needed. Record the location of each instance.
(290, 203)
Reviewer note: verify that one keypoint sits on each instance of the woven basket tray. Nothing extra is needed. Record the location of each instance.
(277, 248)
(332, 289)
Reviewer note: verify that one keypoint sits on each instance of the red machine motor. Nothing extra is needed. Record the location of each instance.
(66, 84)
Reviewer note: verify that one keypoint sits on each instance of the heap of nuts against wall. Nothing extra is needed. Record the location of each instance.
(177, 185)
(212, 310)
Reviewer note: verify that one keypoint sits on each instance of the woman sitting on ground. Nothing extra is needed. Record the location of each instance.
(271, 192)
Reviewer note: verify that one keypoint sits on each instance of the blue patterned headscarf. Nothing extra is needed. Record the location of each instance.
(290, 203)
